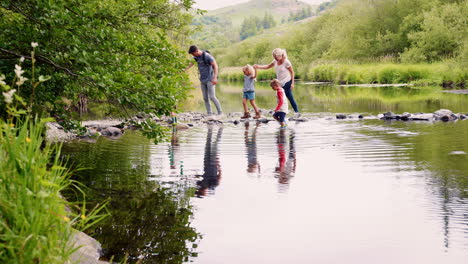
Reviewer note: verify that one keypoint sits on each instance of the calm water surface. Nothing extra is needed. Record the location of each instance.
(323, 191)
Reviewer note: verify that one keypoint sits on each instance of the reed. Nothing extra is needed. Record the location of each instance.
(35, 226)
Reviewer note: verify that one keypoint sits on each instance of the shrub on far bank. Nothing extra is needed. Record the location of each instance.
(236, 74)
(444, 74)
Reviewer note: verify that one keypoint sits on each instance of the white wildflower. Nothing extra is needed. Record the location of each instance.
(9, 96)
(21, 59)
(2, 78)
(18, 70)
(34, 44)
(21, 80)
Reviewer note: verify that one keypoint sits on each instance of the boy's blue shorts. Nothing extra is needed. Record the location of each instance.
(249, 95)
(280, 116)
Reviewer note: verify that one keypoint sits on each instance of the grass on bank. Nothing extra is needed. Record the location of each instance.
(35, 226)
(236, 74)
(442, 74)
(430, 74)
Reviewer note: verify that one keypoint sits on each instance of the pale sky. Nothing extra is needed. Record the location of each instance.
(215, 4)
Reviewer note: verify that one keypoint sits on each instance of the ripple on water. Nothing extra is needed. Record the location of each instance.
(353, 187)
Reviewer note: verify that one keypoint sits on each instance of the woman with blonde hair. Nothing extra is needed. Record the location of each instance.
(284, 73)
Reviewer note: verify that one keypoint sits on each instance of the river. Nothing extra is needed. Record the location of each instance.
(322, 191)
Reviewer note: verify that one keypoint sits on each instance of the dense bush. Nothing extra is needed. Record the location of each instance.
(113, 51)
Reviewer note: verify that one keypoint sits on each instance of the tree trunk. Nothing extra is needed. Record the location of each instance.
(82, 104)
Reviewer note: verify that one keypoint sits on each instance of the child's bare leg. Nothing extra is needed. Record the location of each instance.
(246, 110)
(252, 102)
(244, 104)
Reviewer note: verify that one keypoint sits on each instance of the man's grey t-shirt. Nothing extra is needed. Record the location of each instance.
(206, 70)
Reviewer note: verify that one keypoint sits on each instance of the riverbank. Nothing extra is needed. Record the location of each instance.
(37, 224)
(440, 74)
(116, 127)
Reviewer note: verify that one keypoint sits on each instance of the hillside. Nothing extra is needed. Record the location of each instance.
(419, 33)
(278, 8)
(225, 26)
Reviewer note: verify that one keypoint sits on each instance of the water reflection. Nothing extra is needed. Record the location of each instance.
(401, 186)
(175, 154)
(211, 166)
(430, 147)
(250, 140)
(286, 166)
(148, 223)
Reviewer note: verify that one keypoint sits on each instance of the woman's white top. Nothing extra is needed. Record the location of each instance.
(282, 73)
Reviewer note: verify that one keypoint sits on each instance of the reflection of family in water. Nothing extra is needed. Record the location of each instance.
(211, 166)
(286, 166)
(286, 153)
(211, 177)
(175, 152)
(251, 145)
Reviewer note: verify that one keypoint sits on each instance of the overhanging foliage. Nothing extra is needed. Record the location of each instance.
(109, 50)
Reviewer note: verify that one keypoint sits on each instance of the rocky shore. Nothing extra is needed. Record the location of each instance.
(114, 128)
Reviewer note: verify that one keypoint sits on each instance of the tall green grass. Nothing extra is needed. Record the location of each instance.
(236, 74)
(35, 226)
(443, 74)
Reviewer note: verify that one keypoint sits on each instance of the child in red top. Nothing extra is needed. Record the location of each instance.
(282, 108)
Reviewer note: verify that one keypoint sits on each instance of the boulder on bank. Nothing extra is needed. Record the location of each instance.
(89, 249)
(439, 115)
(444, 115)
(111, 131)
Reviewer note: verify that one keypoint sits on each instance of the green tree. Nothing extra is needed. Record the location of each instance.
(116, 51)
(268, 21)
(250, 27)
(371, 31)
(438, 33)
